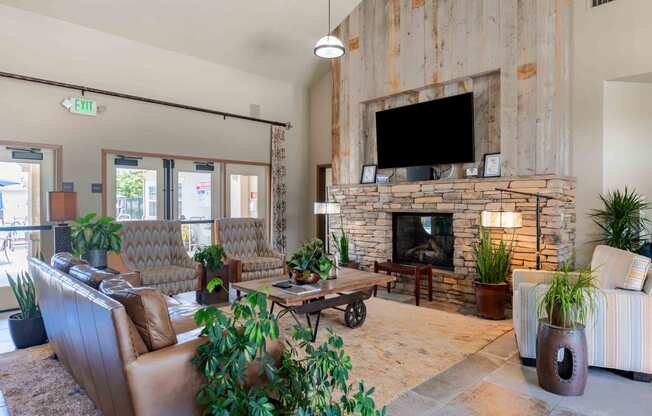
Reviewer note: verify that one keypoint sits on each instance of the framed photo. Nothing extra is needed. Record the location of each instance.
(369, 174)
(491, 166)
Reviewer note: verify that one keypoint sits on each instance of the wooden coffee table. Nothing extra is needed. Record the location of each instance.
(351, 288)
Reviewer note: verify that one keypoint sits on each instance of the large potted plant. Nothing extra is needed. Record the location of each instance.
(562, 358)
(310, 263)
(620, 220)
(213, 272)
(307, 380)
(94, 236)
(26, 327)
(492, 263)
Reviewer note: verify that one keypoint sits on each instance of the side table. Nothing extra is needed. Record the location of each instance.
(220, 294)
(417, 271)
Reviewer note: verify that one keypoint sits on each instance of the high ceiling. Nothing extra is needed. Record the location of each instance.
(273, 38)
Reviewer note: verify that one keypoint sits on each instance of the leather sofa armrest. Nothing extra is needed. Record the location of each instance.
(165, 382)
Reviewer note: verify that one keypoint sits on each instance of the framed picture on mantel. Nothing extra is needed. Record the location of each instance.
(368, 174)
(491, 168)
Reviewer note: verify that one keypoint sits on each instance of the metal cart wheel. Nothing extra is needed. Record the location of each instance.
(355, 314)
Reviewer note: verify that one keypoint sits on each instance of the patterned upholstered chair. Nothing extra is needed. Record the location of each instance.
(249, 254)
(155, 250)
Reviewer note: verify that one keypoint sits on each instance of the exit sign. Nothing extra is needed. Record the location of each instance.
(80, 105)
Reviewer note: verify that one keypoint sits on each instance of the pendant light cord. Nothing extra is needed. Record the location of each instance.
(329, 18)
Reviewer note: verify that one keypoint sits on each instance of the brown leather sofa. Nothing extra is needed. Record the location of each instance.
(129, 347)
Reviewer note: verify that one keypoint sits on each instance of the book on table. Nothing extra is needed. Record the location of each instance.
(301, 289)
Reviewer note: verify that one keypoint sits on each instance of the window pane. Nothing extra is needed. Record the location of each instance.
(194, 193)
(244, 196)
(136, 194)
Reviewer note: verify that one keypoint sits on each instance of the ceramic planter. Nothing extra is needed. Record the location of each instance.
(490, 299)
(97, 258)
(220, 294)
(27, 333)
(562, 373)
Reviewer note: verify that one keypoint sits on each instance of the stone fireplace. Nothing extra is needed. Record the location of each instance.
(423, 239)
(370, 212)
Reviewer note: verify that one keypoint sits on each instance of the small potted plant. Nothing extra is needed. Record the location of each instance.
(213, 274)
(26, 327)
(342, 247)
(310, 263)
(94, 236)
(562, 357)
(492, 262)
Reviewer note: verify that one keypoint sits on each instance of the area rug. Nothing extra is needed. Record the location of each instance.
(399, 347)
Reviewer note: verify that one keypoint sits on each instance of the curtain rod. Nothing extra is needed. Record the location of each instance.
(84, 89)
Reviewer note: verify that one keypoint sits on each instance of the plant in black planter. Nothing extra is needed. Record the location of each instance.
(492, 262)
(26, 328)
(621, 222)
(213, 274)
(94, 236)
(307, 379)
(562, 358)
(310, 263)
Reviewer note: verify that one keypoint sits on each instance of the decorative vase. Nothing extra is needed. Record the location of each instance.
(562, 359)
(27, 333)
(96, 258)
(332, 274)
(302, 279)
(490, 299)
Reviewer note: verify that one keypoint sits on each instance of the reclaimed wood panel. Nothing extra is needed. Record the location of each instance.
(408, 50)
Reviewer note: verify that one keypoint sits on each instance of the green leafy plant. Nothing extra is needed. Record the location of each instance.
(312, 258)
(309, 380)
(342, 246)
(91, 232)
(621, 221)
(212, 258)
(25, 293)
(570, 298)
(492, 259)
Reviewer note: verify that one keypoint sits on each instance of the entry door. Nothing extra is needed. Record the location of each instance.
(197, 195)
(246, 191)
(135, 188)
(24, 186)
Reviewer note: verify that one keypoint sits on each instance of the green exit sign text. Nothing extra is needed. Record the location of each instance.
(80, 105)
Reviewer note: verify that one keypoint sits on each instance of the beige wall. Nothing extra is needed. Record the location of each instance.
(628, 136)
(320, 134)
(609, 42)
(48, 48)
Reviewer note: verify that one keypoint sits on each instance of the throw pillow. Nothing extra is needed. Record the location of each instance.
(635, 277)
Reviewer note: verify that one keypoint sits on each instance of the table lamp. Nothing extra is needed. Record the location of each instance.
(62, 207)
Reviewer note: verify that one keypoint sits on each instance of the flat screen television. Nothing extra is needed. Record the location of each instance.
(429, 133)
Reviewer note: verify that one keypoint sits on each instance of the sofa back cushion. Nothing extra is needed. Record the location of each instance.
(615, 268)
(241, 237)
(148, 311)
(89, 275)
(64, 261)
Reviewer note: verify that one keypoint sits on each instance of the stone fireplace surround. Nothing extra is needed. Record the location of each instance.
(367, 212)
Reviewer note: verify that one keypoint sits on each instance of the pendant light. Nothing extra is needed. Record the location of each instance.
(329, 46)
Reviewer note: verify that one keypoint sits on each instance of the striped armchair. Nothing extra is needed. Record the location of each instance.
(619, 334)
(249, 254)
(155, 250)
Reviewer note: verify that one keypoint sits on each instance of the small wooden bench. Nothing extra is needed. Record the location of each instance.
(408, 270)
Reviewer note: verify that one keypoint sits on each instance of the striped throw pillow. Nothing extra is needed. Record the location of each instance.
(635, 278)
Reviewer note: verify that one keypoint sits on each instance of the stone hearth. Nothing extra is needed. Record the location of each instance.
(367, 212)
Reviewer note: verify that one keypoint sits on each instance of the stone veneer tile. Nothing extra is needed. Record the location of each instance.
(412, 404)
(491, 400)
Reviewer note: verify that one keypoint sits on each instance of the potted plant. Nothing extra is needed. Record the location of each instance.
(492, 262)
(342, 247)
(310, 263)
(621, 223)
(307, 380)
(94, 236)
(26, 327)
(562, 358)
(213, 274)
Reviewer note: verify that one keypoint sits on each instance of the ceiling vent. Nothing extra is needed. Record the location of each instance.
(596, 3)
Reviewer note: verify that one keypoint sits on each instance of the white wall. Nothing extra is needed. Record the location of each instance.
(609, 42)
(628, 136)
(44, 47)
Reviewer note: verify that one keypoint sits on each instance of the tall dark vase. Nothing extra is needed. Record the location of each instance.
(568, 376)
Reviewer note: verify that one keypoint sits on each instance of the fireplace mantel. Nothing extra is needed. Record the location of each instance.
(367, 212)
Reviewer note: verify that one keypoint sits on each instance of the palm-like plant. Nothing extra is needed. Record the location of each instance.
(621, 221)
(25, 293)
(492, 260)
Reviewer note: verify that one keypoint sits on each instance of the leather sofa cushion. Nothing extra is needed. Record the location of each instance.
(64, 261)
(148, 310)
(254, 264)
(89, 275)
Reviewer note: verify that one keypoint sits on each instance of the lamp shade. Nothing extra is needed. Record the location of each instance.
(501, 219)
(327, 208)
(329, 47)
(62, 206)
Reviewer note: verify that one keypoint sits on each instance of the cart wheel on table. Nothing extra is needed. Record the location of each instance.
(355, 314)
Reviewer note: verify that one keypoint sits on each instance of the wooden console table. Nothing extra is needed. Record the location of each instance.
(409, 270)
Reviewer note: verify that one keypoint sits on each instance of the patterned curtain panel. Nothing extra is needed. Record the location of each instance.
(279, 190)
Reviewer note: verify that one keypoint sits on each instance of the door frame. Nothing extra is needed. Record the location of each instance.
(58, 156)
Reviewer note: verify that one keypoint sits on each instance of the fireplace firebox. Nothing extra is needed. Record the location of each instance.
(423, 238)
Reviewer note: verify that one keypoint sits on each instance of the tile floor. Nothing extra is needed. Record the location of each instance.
(5, 346)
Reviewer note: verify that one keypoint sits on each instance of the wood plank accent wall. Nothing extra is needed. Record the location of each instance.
(397, 47)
